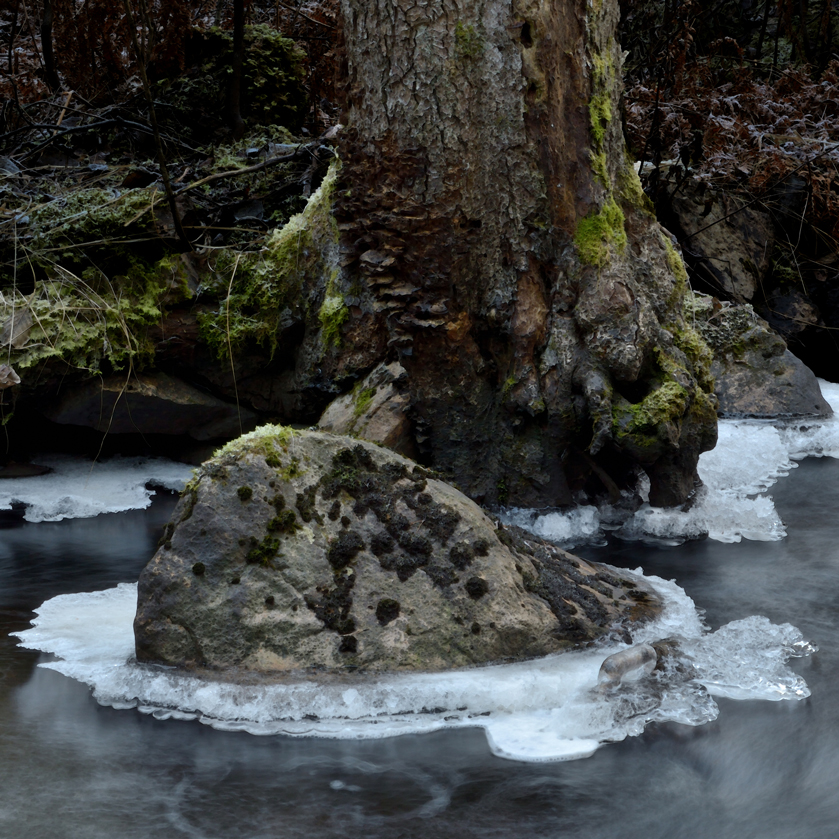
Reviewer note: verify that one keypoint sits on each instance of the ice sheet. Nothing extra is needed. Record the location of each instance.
(749, 457)
(78, 488)
(547, 709)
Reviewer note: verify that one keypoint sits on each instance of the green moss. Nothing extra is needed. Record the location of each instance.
(691, 343)
(675, 263)
(263, 553)
(90, 214)
(267, 440)
(267, 288)
(189, 497)
(284, 522)
(363, 400)
(667, 403)
(333, 315)
(600, 168)
(244, 493)
(630, 189)
(598, 231)
(88, 321)
(291, 470)
(468, 43)
(600, 104)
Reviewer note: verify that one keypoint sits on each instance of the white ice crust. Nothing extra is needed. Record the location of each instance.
(78, 489)
(749, 457)
(546, 709)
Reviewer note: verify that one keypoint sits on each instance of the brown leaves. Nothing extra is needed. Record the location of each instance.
(754, 133)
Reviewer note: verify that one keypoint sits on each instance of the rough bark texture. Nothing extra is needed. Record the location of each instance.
(484, 238)
(491, 223)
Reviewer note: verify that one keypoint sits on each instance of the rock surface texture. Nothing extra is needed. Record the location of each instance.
(297, 550)
(756, 375)
(150, 404)
(727, 241)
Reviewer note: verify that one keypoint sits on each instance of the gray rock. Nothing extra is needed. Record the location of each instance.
(756, 375)
(294, 550)
(150, 404)
(375, 410)
(732, 241)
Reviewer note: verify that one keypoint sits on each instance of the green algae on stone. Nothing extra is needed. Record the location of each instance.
(363, 400)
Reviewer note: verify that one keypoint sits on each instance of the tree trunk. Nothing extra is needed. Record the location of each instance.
(50, 73)
(493, 228)
(234, 85)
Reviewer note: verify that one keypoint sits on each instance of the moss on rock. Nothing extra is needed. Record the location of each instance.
(380, 588)
(276, 287)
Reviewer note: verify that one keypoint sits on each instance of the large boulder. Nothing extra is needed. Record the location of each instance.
(755, 374)
(293, 550)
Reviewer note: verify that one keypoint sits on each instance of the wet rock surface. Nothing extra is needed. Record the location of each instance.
(298, 550)
(727, 239)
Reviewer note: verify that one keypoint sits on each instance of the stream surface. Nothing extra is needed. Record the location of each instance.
(72, 768)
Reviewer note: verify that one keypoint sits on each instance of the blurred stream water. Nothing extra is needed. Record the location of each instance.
(71, 768)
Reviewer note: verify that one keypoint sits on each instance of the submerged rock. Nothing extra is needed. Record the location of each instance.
(295, 550)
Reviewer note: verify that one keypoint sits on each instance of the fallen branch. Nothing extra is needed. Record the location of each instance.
(306, 17)
(232, 173)
(105, 123)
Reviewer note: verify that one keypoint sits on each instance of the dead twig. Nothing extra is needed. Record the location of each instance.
(304, 16)
(232, 173)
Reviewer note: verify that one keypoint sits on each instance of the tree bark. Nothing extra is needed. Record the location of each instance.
(493, 228)
(234, 85)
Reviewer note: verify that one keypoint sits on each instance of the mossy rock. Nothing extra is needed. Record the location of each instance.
(755, 374)
(340, 555)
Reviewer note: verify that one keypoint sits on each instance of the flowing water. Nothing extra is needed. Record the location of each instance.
(70, 767)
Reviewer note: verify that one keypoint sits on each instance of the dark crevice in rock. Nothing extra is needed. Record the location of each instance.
(387, 610)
